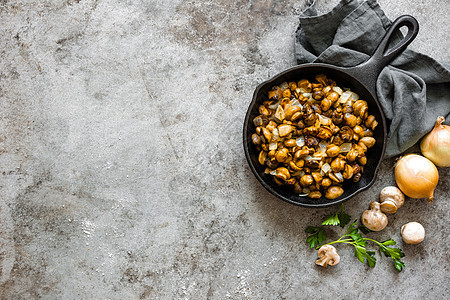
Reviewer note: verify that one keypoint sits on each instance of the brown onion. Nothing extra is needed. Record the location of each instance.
(416, 176)
(436, 144)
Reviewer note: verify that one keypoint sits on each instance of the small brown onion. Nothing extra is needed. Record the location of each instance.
(416, 176)
(436, 145)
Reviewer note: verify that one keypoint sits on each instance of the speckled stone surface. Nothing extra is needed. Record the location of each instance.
(122, 169)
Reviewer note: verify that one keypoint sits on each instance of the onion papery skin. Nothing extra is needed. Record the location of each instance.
(416, 176)
(436, 144)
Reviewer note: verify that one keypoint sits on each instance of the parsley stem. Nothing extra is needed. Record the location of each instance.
(345, 241)
(339, 240)
(376, 242)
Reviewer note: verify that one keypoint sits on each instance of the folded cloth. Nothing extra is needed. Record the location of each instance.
(413, 90)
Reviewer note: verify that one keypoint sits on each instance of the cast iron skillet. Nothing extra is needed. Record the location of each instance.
(362, 80)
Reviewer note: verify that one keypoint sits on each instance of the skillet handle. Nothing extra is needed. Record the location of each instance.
(368, 71)
(380, 56)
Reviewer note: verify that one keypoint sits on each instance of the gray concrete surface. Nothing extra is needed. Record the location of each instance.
(122, 169)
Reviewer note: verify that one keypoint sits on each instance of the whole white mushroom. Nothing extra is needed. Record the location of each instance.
(373, 218)
(413, 233)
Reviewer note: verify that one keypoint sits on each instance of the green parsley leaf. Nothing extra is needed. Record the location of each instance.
(365, 256)
(398, 265)
(355, 237)
(353, 225)
(321, 236)
(344, 219)
(364, 230)
(359, 255)
(389, 242)
(317, 237)
(312, 229)
(395, 253)
(371, 260)
(332, 220)
(339, 218)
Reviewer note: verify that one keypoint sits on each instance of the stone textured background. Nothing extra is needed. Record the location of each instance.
(122, 169)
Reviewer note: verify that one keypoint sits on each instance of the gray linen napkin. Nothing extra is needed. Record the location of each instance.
(413, 90)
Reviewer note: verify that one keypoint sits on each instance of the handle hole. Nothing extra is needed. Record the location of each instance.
(395, 42)
(404, 30)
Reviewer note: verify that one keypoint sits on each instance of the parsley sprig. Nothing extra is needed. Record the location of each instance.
(339, 218)
(353, 236)
(318, 235)
(395, 253)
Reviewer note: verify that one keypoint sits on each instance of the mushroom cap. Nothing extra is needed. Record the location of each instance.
(327, 256)
(374, 219)
(391, 198)
(413, 233)
(389, 207)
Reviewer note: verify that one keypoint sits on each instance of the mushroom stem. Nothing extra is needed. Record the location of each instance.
(322, 261)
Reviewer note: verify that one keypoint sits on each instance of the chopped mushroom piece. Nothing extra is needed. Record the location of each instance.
(327, 256)
(319, 121)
